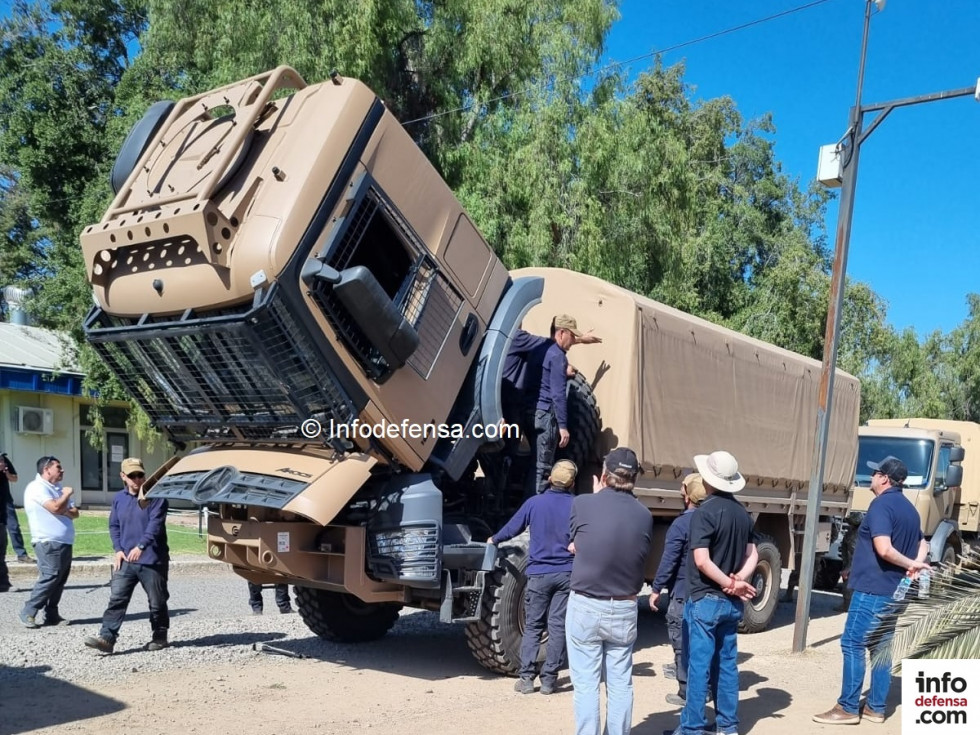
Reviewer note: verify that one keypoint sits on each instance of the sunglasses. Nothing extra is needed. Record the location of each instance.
(136, 476)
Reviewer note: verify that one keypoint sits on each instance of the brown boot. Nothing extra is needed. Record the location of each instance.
(837, 716)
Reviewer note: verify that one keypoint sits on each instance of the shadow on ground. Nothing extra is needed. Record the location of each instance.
(74, 702)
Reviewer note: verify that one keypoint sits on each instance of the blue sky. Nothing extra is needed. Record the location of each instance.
(915, 229)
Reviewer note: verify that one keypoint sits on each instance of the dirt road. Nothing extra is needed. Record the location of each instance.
(419, 680)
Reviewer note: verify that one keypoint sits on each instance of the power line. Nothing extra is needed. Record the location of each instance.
(617, 64)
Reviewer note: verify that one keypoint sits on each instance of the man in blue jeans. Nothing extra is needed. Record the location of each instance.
(138, 529)
(722, 558)
(672, 576)
(549, 572)
(611, 533)
(889, 547)
(8, 474)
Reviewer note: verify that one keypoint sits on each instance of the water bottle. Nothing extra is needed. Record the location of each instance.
(924, 584)
(899, 594)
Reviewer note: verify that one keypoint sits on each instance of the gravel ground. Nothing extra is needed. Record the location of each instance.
(210, 623)
(421, 678)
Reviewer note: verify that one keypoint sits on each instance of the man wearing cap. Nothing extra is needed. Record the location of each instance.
(722, 558)
(610, 532)
(138, 530)
(549, 572)
(672, 575)
(51, 513)
(889, 547)
(533, 391)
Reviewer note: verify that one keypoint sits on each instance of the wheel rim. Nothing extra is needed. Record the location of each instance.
(762, 581)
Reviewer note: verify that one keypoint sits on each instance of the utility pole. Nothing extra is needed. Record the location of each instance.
(849, 152)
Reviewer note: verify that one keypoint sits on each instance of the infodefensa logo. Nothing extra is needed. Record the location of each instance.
(936, 696)
(356, 429)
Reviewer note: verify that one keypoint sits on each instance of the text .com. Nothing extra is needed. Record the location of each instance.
(357, 429)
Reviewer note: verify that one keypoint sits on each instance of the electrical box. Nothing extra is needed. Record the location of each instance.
(829, 169)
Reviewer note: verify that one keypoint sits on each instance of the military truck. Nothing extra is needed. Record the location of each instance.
(282, 268)
(941, 485)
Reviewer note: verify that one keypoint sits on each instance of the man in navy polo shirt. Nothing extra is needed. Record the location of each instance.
(889, 546)
(138, 530)
(549, 573)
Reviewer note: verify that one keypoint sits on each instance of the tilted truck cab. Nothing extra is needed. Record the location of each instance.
(281, 264)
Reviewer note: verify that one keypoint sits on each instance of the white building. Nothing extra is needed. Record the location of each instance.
(44, 412)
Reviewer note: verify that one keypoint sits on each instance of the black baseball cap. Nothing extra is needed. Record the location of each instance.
(622, 461)
(892, 467)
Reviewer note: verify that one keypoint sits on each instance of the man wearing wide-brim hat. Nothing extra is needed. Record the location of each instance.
(722, 558)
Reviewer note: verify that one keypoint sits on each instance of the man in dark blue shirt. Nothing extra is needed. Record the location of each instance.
(533, 392)
(549, 573)
(889, 547)
(672, 575)
(138, 530)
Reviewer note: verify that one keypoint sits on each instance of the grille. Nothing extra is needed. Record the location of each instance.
(250, 373)
(247, 489)
(376, 237)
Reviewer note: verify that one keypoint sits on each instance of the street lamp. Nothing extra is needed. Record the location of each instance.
(847, 152)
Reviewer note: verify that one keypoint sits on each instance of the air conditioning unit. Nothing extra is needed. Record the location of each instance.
(35, 420)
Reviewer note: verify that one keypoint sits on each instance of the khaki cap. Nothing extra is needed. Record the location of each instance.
(132, 464)
(563, 473)
(564, 321)
(694, 486)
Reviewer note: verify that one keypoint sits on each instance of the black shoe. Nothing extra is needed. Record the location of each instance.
(4, 588)
(524, 686)
(157, 644)
(285, 610)
(99, 643)
(548, 687)
(256, 611)
(55, 619)
(25, 559)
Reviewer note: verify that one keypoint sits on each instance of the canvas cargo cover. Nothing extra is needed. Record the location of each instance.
(671, 385)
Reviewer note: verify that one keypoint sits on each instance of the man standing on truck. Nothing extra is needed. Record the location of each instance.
(549, 574)
(138, 530)
(610, 532)
(672, 575)
(889, 547)
(533, 392)
(722, 558)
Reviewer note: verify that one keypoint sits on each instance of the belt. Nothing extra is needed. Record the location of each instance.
(605, 597)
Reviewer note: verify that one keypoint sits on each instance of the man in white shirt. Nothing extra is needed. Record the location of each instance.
(50, 512)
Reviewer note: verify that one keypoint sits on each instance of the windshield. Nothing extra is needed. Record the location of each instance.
(915, 453)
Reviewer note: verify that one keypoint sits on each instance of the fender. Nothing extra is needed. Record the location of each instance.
(937, 543)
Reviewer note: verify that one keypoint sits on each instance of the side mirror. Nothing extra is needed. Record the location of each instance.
(954, 477)
(956, 454)
(377, 316)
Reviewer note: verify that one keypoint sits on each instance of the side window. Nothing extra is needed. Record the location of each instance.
(941, 465)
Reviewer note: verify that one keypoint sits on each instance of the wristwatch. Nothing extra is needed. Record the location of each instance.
(141, 547)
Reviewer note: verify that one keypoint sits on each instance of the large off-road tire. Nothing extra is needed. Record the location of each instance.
(583, 430)
(759, 610)
(495, 639)
(336, 616)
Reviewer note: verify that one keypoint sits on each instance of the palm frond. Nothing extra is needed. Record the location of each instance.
(946, 624)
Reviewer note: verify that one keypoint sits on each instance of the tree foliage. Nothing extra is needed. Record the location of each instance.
(559, 162)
